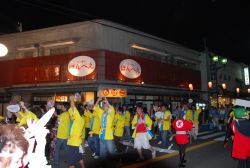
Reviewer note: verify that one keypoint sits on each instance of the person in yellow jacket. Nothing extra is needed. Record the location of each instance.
(119, 122)
(142, 124)
(87, 115)
(106, 115)
(164, 127)
(127, 116)
(24, 115)
(193, 116)
(75, 136)
(93, 140)
(62, 132)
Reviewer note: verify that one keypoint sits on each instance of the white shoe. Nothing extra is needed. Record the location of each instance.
(154, 154)
(96, 157)
(160, 142)
(81, 150)
(171, 138)
(170, 146)
(126, 150)
(162, 150)
(93, 154)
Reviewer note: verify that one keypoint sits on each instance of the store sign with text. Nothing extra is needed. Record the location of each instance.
(130, 68)
(81, 66)
(112, 92)
(246, 75)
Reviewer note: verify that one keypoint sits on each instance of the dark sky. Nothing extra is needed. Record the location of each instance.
(225, 24)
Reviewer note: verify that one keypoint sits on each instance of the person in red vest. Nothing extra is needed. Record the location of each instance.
(181, 127)
(241, 138)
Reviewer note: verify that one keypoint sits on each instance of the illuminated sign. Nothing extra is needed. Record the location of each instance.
(112, 92)
(81, 66)
(246, 75)
(61, 98)
(130, 68)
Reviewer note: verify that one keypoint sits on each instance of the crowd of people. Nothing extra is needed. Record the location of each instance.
(102, 127)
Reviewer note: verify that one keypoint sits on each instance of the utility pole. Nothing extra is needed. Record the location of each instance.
(19, 26)
(208, 75)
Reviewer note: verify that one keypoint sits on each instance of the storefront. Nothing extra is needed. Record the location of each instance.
(125, 79)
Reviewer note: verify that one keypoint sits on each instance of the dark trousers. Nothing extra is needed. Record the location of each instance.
(182, 152)
(94, 144)
(244, 163)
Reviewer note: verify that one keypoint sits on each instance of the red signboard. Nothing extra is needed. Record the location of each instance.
(55, 69)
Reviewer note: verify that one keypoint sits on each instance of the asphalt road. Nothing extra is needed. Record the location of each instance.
(206, 152)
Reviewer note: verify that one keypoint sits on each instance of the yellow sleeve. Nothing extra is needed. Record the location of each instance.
(88, 114)
(18, 119)
(33, 116)
(199, 110)
(188, 115)
(231, 114)
(134, 121)
(98, 111)
(1, 117)
(167, 114)
(148, 122)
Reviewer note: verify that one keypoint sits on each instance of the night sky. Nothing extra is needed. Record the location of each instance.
(224, 24)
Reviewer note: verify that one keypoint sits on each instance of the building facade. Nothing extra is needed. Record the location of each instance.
(100, 57)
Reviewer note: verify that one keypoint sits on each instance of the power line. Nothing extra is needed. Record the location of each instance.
(52, 10)
(91, 17)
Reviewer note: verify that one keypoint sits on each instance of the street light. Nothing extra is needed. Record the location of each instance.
(3, 50)
(191, 88)
(216, 59)
(237, 90)
(224, 86)
(224, 61)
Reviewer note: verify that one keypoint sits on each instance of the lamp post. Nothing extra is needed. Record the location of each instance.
(216, 63)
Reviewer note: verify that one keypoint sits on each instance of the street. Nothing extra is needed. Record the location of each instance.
(206, 152)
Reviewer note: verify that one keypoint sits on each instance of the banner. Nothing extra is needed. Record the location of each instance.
(112, 92)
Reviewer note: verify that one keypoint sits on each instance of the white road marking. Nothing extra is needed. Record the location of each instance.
(211, 135)
(220, 138)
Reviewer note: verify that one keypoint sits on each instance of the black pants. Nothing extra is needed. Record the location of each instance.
(119, 146)
(244, 163)
(182, 152)
(87, 133)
